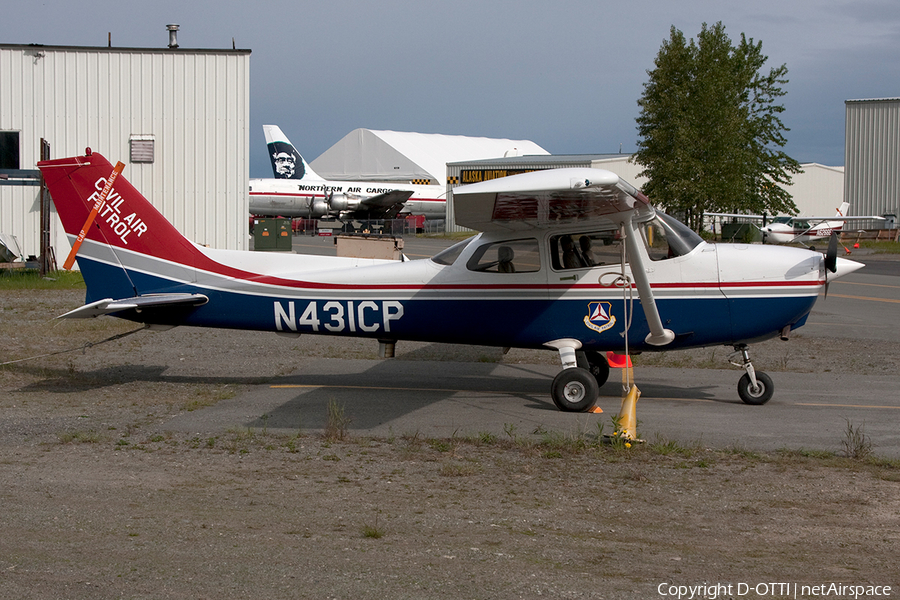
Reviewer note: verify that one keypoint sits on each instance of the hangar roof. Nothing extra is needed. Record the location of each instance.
(370, 155)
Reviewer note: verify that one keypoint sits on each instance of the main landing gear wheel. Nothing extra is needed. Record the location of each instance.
(761, 394)
(598, 366)
(749, 393)
(574, 390)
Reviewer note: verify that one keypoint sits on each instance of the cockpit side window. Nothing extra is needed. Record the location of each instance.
(586, 250)
(514, 256)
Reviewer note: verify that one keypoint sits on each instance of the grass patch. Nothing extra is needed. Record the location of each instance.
(880, 247)
(667, 447)
(459, 469)
(337, 422)
(373, 531)
(856, 444)
(28, 279)
(209, 397)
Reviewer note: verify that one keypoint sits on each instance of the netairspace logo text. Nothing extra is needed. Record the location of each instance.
(778, 590)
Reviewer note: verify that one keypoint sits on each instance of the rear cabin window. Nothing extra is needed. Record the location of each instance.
(515, 256)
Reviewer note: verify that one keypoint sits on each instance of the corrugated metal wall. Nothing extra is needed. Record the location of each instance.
(194, 104)
(872, 158)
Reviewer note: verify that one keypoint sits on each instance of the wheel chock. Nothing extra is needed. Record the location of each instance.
(595, 409)
(627, 419)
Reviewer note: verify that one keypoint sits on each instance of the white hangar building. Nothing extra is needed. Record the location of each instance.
(178, 118)
(421, 158)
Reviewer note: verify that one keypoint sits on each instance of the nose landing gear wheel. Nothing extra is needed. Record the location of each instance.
(574, 390)
(761, 394)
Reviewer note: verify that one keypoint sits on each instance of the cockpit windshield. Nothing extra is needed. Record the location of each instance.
(666, 237)
(449, 256)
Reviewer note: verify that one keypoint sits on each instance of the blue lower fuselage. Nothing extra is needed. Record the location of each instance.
(508, 316)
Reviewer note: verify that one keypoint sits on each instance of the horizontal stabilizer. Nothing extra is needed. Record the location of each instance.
(108, 305)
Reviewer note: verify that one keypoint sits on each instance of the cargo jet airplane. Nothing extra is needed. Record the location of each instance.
(787, 230)
(297, 191)
(533, 277)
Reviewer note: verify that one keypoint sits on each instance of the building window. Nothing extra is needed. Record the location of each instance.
(9, 150)
(142, 148)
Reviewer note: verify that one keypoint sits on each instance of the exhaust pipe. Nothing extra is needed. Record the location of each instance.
(173, 35)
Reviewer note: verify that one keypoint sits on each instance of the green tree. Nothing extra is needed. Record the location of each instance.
(710, 131)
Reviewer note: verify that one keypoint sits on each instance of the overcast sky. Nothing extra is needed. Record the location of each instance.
(565, 74)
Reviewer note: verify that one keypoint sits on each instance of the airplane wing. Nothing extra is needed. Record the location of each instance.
(546, 198)
(108, 305)
(834, 218)
(795, 218)
(384, 206)
(737, 215)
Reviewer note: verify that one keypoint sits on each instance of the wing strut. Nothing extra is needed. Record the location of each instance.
(659, 335)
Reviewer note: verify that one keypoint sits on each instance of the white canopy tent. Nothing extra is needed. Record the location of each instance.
(370, 155)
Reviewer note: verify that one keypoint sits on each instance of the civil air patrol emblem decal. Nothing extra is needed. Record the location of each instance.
(600, 317)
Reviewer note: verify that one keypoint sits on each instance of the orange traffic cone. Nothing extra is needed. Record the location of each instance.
(618, 361)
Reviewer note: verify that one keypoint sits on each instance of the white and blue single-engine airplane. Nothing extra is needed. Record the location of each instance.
(562, 257)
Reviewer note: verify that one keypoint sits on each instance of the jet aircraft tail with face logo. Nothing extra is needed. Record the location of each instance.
(287, 163)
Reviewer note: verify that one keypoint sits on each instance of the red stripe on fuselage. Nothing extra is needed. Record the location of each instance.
(296, 195)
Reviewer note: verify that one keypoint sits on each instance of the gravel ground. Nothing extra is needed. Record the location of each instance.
(100, 501)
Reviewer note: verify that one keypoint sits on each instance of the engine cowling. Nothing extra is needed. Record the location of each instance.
(342, 202)
(318, 208)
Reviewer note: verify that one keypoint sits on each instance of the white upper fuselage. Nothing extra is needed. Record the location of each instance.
(717, 293)
(785, 233)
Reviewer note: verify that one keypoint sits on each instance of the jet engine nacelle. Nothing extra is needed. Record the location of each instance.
(342, 202)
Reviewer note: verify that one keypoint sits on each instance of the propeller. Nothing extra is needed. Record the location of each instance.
(830, 259)
(831, 253)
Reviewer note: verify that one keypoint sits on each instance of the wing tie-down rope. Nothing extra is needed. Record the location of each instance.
(83, 347)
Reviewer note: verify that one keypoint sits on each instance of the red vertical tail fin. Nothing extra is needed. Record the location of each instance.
(126, 219)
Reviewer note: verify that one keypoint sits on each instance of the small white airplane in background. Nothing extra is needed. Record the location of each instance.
(538, 276)
(297, 191)
(787, 230)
